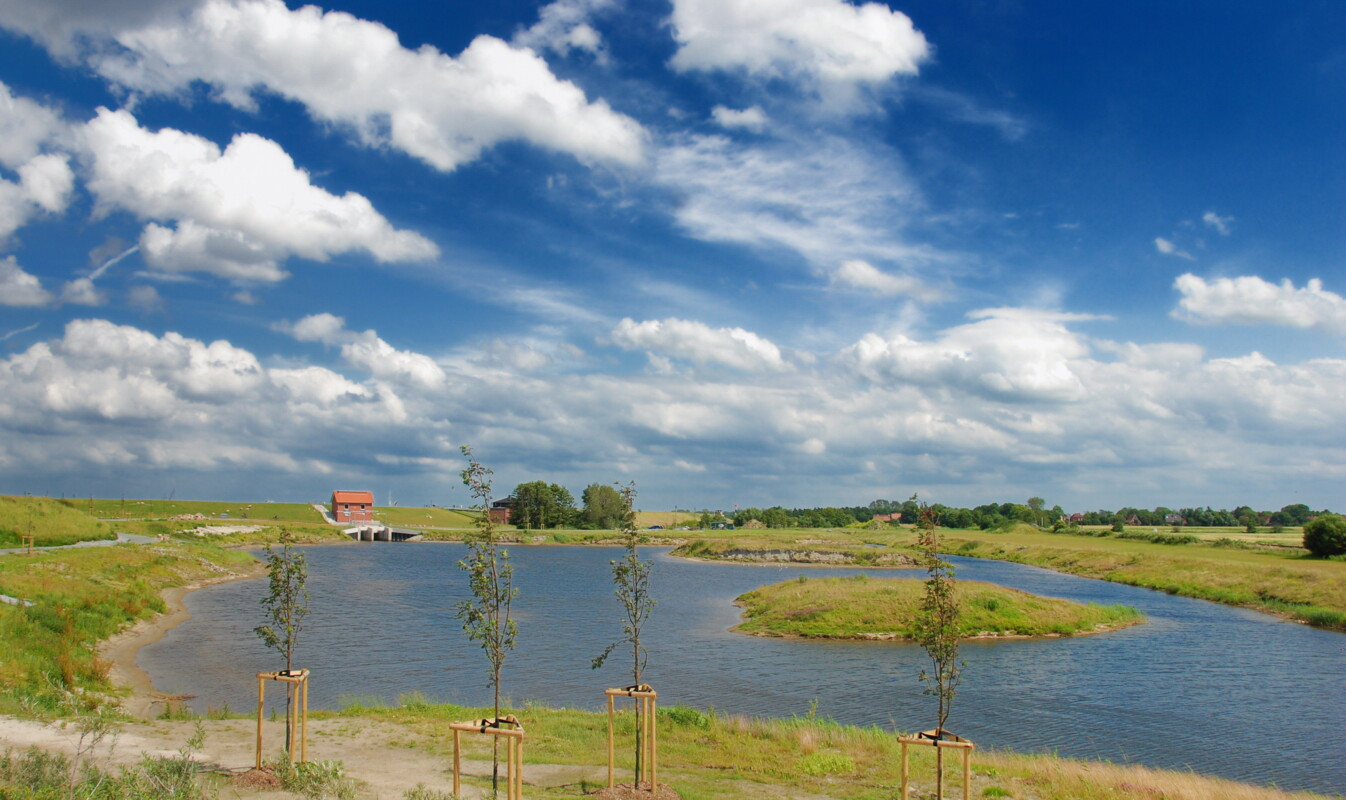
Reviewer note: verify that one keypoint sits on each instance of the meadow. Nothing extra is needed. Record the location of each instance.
(864, 607)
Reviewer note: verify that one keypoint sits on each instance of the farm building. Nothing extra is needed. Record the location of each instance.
(352, 506)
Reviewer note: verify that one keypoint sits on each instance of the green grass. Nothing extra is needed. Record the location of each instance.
(1283, 582)
(862, 607)
(81, 597)
(711, 756)
(50, 522)
(164, 509)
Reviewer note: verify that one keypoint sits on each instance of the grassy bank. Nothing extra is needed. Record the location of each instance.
(710, 756)
(824, 551)
(886, 608)
(80, 597)
(1286, 583)
(49, 522)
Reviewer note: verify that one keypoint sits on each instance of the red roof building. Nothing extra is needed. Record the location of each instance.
(353, 506)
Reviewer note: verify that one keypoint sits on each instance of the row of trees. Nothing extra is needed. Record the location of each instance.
(1033, 512)
(540, 504)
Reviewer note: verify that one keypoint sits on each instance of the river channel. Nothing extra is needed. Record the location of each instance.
(1200, 686)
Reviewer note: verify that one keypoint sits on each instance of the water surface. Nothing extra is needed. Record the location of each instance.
(1199, 686)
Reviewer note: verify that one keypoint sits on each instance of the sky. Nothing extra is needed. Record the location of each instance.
(740, 252)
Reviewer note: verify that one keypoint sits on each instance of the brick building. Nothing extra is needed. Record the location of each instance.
(353, 506)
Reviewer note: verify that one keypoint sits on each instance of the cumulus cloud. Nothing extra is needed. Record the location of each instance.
(367, 351)
(235, 213)
(699, 343)
(444, 110)
(862, 275)
(1250, 300)
(1219, 223)
(26, 128)
(18, 288)
(1005, 355)
(62, 26)
(816, 41)
(752, 118)
(563, 26)
(995, 406)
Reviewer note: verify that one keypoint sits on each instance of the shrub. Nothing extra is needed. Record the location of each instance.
(1325, 536)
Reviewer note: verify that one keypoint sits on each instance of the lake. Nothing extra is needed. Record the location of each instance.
(1200, 686)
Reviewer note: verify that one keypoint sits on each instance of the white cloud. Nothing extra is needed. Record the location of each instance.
(817, 41)
(82, 292)
(1168, 248)
(965, 109)
(441, 109)
(828, 199)
(1005, 355)
(857, 274)
(145, 298)
(981, 411)
(239, 212)
(699, 343)
(367, 351)
(26, 127)
(62, 25)
(18, 288)
(1219, 223)
(1250, 300)
(45, 184)
(752, 118)
(563, 26)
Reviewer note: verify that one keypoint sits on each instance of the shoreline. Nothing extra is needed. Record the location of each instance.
(122, 648)
(983, 636)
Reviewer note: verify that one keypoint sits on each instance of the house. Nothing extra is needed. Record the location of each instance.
(501, 510)
(352, 506)
(890, 518)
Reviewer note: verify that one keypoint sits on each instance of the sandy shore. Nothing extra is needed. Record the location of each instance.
(121, 650)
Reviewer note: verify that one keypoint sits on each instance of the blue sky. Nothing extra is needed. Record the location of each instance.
(797, 252)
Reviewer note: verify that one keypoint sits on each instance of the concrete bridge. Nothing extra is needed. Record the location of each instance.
(381, 533)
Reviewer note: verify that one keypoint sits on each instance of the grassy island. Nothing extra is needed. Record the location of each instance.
(862, 607)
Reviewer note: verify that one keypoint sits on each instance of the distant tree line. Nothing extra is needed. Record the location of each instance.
(539, 505)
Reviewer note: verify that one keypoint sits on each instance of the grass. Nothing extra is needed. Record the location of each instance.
(712, 756)
(861, 607)
(1279, 579)
(80, 597)
(49, 522)
(1286, 583)
(124, 509)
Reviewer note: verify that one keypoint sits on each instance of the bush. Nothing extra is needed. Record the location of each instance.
(1325, 536)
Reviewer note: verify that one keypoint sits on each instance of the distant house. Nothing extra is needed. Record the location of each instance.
(501, 510)
(353, 506)
(892, 518)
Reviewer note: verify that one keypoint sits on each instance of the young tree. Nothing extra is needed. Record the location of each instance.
(937, 631)
(485, 616)
(286, 604)
(631, 577)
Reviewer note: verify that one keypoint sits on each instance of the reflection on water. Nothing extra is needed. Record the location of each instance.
(1199, 686)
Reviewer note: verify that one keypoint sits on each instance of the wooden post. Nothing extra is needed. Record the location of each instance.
(646, 701)
(937, 739)
(612, 780)
(261, 703)
(507, 726)
(456, 764)
(903, 742)
(296, 691)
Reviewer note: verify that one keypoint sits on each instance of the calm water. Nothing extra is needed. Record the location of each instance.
(1199, 686)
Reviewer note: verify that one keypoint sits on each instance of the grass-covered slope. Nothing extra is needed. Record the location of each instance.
(51, 522)
(1287, 583)
(862, 607)
(79, 597)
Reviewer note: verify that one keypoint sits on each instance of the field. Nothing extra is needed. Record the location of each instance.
(862, 607)
(49, 522)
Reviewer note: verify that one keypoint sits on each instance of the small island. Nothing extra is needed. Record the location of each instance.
(862, 607)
